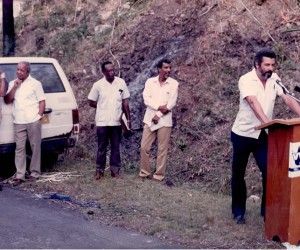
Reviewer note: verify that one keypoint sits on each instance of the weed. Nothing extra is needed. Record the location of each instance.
(181, 144)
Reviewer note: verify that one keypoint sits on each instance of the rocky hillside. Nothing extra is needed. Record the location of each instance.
(210, 42)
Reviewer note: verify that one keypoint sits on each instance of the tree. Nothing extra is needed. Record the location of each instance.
(8, 28)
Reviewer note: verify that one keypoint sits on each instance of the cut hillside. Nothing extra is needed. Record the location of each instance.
(210, 43)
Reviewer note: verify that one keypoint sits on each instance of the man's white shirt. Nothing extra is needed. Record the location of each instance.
(109, 98)
(26, 100)
(156, 95)
(250, 85)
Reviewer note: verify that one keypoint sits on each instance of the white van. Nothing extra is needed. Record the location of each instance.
(60, 126)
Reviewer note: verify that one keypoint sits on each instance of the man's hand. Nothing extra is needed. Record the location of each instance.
(163, 109)
(17, 83)
(129, 125)
(155, 119)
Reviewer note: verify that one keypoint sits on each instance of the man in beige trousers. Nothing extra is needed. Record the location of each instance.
(28, 98)
(160, 96)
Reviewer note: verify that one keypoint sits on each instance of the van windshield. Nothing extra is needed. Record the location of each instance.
(43, 72)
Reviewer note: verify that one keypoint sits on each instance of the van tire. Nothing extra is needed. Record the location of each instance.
(48, 160)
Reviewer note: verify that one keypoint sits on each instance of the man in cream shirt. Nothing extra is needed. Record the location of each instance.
(258, 91)
(110, 97)
(28, 98)
(160, 96)
(2, 93)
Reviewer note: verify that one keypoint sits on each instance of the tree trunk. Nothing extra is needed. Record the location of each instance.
(8, 28)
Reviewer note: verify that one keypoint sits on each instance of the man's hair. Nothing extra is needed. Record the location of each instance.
(263, 53)
(160, 63)
(27, 65)
(104, 64)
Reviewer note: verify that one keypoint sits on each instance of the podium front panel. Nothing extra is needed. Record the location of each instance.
(282, 198)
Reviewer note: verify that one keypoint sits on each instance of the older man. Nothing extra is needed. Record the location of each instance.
(28, 98)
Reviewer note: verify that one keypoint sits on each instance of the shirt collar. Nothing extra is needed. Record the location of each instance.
(255, 77)
(166, 81)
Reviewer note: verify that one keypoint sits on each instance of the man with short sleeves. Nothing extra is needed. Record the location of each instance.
(28, 98)
(160, 96)
(109, 96)
(2, 93)
(258, 91)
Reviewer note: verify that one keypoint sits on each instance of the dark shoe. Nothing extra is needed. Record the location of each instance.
(115, 175)
(32, 178)
(17, 182)
(98, 175)
(240, 219)
(149, 177)
(27, 175)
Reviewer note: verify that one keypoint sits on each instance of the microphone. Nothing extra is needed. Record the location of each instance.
(285, 91)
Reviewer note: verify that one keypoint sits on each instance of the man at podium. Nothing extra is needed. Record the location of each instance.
(258, 91)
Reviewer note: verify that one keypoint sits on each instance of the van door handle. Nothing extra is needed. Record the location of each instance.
(48, 110)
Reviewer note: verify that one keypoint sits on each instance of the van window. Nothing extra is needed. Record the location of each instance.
(44, 72)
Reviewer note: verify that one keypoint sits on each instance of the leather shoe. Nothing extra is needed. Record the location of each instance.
(17, 182)
(115, 175)
(148, 177)
(240, 219)
(98, 175)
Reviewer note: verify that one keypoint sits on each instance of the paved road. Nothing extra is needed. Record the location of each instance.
(28, 222)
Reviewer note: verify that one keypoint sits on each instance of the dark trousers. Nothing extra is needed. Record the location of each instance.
(242, 147)
(105, 135)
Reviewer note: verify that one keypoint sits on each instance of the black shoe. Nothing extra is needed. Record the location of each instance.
(240, 219)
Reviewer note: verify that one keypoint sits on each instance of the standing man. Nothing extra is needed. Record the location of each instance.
(109, 96)
(2, 93)
(28, 98)
(160, 96)
(258, 90)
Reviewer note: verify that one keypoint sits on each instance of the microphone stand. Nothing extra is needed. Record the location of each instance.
(286, 92)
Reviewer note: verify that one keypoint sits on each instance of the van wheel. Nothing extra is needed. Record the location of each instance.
(7, 165)
(48, 160)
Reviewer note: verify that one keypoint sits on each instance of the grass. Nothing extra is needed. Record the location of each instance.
(183, 214)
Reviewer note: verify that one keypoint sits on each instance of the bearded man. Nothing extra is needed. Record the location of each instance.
(258, 91)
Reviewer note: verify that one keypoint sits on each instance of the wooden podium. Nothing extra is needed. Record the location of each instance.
(282, 221)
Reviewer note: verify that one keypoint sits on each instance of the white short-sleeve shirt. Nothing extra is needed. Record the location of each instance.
(250, 85)
(26, 100)
(109, 98)
(156, 95)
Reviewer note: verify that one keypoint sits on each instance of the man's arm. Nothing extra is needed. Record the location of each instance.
(165, 109)
(125, 108)
(9, 97)
(2, 84)
(42, 105)
(257, 109)
(92, 103)
(291, 103)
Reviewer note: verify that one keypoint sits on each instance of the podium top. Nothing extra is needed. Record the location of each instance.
(279, 122)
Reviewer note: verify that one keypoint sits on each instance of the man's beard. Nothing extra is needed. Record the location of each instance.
(266, 75)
